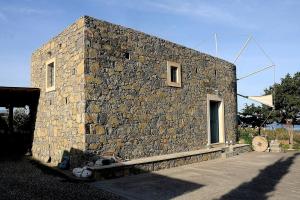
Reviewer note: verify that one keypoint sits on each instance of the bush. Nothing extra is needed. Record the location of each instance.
(247, 134)
(283, 136)
(21, 119)
(280, 133)
(297, 137)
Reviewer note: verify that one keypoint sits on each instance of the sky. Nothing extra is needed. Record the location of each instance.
(274, 26)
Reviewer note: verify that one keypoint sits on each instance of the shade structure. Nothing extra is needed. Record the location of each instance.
(18, 96)
(266, 99)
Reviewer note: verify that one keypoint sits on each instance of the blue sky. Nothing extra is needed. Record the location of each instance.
(27, 24)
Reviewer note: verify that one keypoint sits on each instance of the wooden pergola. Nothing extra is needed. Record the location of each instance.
(11, 97)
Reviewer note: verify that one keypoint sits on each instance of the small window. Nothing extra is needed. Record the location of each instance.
(127, 55)
(50, 75)
(113, 63)
(173, 74)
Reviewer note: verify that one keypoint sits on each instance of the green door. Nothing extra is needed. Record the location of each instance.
(214, 122)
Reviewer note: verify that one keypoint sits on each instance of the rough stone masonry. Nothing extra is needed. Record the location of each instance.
(109, 92)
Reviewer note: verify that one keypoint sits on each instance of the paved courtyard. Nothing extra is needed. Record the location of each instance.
(248, 176)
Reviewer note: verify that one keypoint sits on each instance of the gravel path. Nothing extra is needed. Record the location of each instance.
(25, 179)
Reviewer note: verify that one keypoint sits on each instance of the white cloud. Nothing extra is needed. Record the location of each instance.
(28, 11)
(197, 9)
(201, 10)
(5, 12)
(23, 10)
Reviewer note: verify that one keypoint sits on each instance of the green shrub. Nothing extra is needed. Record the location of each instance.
(247, 134)
(296, 146)
(285, 146)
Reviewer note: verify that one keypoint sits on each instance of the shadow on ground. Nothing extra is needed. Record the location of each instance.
(264, 183)
(152, 186)
(24, 178)
(152, 182)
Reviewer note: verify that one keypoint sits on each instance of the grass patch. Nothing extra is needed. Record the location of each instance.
(282, 135)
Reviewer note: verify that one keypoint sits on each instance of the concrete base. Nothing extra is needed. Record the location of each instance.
(155, 163)
(275, 146)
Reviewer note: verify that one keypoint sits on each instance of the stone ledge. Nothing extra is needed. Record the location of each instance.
(159, 158)
(155, 163)
(53, 169)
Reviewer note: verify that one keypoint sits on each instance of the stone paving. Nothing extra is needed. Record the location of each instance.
(248, 176)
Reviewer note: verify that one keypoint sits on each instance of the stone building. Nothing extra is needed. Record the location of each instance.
(107, 88)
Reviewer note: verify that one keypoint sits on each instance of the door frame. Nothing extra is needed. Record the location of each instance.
(216, 98)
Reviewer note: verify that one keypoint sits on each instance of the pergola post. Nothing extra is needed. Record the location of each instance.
(11, 118)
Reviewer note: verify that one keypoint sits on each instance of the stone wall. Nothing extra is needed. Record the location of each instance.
(104, 102)
(60, 116)
(129, 108)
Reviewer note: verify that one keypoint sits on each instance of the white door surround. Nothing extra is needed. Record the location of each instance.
(216, 98)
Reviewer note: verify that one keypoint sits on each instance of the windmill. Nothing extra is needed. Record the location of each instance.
(260, 143)
(267, 100)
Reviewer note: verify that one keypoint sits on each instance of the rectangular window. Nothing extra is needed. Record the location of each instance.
(50, 75)
(127, 55)
(173, 74)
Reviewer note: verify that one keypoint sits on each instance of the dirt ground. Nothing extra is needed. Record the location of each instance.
(21, 179)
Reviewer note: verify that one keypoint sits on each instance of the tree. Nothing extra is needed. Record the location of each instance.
(287, 102)
(252, 115)
(22, 119)
(287, 97)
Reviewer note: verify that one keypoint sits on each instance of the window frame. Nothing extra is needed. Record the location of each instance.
(171, 64)
(51, 88)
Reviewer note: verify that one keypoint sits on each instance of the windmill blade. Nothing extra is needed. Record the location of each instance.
(243, 48)
(253, 73)
(263, 51)
(216, 44)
